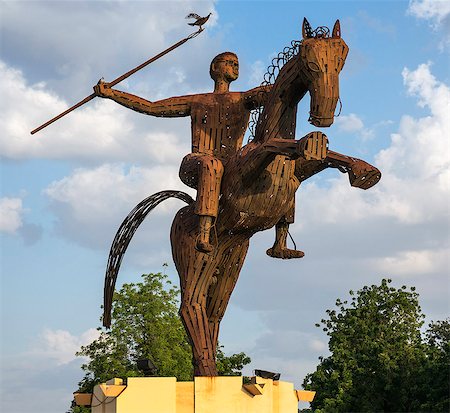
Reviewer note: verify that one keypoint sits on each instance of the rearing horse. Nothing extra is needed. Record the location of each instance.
(257, 192)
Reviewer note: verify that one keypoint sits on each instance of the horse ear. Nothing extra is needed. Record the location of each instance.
(337, 29)
(306, 29)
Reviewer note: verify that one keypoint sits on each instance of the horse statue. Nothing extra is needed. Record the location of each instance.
(258, 189)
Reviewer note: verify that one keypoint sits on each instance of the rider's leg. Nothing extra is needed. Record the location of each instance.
(203, 172)
(279, 248)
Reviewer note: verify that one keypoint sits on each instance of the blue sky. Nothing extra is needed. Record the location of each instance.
(65, 190)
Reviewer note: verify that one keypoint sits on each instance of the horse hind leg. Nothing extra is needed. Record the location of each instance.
(194, 315)
(196, 271)
(312, 148)
(224, 281)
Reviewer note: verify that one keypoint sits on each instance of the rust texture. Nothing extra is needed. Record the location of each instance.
(241, 190)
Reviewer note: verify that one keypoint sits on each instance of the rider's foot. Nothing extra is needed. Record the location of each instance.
(205, 247)
(202, 243)
(314, 146)
(284, 253)
(363, 175)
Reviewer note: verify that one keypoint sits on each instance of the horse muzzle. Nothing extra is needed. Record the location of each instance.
(320, 121)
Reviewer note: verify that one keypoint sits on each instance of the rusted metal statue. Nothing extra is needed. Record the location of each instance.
(241, 191)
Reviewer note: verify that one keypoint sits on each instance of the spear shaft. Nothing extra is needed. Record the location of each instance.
(118, 80)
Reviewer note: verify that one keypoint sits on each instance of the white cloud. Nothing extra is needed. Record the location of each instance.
(349, 123)
(11, 211)
(257, 71)
(99, 198)
(99, 131)
(318, 346)
(437, 10)
(410, 263)
(86, 41)
(60, 346)
(43, 377)
(416, 166)
(352, 123)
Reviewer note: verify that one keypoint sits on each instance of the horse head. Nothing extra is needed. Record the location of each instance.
(322, 57)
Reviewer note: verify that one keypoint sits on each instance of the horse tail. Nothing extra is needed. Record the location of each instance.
(122, 239)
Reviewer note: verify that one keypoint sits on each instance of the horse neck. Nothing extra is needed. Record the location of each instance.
(278, 118)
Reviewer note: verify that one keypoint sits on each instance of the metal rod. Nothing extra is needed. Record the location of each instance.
(118, 80)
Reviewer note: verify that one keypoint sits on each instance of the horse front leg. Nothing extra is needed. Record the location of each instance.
(361, 174)
(280, 248)
(312, 147)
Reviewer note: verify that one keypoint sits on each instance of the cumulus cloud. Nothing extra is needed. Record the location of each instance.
(416, 166)
(86, 41)
(410, 263)
(352, 123)
(45, 374)
(257, 71)
(97, 132)
(349, 123)
(92, 202)
(11, 211)
(436, 11)
(60, 346)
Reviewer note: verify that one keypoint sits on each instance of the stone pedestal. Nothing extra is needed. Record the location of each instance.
(203, 395)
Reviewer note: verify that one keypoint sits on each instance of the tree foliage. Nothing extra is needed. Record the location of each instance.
(145, 325)
(378, 360)
(436, 371)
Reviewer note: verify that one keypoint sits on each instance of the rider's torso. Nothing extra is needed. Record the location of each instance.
(219, 122)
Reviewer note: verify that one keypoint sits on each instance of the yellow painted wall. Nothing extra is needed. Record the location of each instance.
(203, 395)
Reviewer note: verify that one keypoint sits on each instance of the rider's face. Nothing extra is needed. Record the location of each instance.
(228, 68)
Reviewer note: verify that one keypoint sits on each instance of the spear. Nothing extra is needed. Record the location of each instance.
(118, 80)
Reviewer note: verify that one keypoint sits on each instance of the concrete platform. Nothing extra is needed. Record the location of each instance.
(203, 395)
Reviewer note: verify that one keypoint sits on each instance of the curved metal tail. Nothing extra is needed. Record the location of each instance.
(122, 239)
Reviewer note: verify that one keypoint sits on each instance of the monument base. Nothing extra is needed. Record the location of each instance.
(203, 395)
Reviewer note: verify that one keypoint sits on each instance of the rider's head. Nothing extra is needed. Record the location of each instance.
(224, 66)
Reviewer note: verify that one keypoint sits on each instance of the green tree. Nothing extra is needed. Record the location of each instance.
(435, 395)
(231, 365)
(145, 325)
(376, 353)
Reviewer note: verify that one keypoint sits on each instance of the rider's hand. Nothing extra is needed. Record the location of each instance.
(102, 89)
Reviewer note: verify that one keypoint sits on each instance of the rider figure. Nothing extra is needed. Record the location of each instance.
(218, 124)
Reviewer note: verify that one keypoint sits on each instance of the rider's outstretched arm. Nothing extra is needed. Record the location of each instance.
(172, 107)
(256, 97)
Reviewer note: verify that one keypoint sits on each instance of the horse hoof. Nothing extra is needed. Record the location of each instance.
(363, 175)
(314, 146)
(284, 253)
(204, 247)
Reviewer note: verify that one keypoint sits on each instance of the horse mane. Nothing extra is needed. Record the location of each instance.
(274, 69)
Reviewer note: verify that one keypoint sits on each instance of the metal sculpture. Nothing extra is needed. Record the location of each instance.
(241, 191)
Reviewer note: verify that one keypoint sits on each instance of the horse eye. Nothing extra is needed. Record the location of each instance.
(314, 66)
